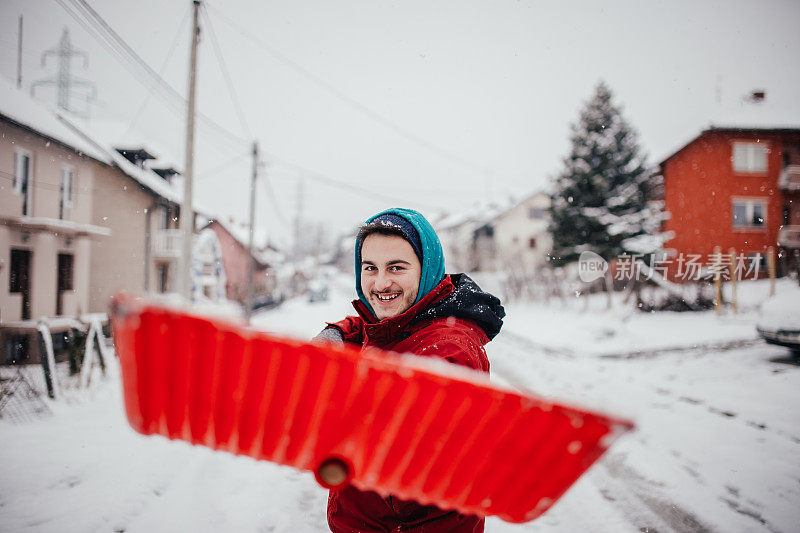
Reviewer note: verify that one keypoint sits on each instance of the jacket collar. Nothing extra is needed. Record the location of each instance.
(389, 328)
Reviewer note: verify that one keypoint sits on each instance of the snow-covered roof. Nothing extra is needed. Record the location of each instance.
(524, 200)
(270, 256)
(121, 134)
(22, 109)
(454, 220)
(773, 110)
(486, 214)
(745, 113)
(99, 140)
(241, 233)
(149, 179)
(480, 213)
(728, 128)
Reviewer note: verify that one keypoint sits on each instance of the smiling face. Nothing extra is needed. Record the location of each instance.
(390, 273)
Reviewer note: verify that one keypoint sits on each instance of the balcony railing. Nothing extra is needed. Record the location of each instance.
(167, 243)
(789, 237)
(790, 178)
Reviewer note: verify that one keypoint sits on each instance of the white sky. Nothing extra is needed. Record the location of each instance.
(417, 103)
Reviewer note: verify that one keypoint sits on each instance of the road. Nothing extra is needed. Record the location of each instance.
(717, 448)
(714, 449)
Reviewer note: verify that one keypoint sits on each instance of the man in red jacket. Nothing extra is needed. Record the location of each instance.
(408, 304)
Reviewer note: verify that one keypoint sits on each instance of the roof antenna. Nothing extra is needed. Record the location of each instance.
(757, 96)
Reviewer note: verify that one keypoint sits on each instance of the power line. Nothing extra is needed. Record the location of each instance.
(235, 159)
(153, 85)
(374, 115)
(120, 44)
(224, 68)
(342, 185)
(106, 36)
(273, 199)
(120, 50)
(105, 41)
(91, 31)
(11, 48)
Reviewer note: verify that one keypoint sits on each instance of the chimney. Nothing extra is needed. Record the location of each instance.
(758, 96)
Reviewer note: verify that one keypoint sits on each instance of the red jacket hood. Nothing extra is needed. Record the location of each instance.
(390, 327)
(456, 296)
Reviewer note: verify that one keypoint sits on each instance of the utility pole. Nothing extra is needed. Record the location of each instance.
(298, 221)
(250, 260)
(63, 80)
(19, 55)
(187, 209)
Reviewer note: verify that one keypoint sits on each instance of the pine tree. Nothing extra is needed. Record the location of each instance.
(601, 197)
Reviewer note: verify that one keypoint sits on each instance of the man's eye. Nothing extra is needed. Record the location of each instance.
(369, 267)
(395, 268)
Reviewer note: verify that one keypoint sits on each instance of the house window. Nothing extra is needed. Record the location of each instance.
(162, 277)
(65, 270)
(20, 270)
(750, 157)
(22, 178)
(532, 242)
(19, 278)
(485, 231)
(162, 219)
(65, 264)
(17, 349)
(67, 181)
(749, 213)
(537, 213)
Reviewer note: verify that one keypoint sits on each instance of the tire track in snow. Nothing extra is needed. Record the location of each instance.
(638, 499)
(508, 377)
(720, 346)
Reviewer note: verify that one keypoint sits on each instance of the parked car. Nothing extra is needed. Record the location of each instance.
(268, 300)
(317, 290)
(779, 321)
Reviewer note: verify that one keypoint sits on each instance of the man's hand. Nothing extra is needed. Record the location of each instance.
(329, 334)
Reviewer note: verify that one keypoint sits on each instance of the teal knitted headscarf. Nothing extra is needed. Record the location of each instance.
(432, 254)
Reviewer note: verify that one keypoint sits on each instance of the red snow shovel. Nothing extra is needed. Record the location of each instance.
(417, 428)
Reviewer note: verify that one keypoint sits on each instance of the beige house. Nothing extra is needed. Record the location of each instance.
(499, 239)
(457, 235)
(141, 253)
(79, 221)
(515, 239)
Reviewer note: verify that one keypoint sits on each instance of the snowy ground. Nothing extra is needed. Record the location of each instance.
(717, 446)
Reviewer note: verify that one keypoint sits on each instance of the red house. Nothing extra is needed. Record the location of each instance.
(733, 188)
(235, 259)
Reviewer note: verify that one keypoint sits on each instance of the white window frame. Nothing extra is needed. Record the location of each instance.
(162, 277)
(19, 153)
(537, 213)
(67, 192)
(749, 205)
(162, 217)
(745, 155)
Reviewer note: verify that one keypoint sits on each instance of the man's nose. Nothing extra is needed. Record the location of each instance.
(382, 282)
